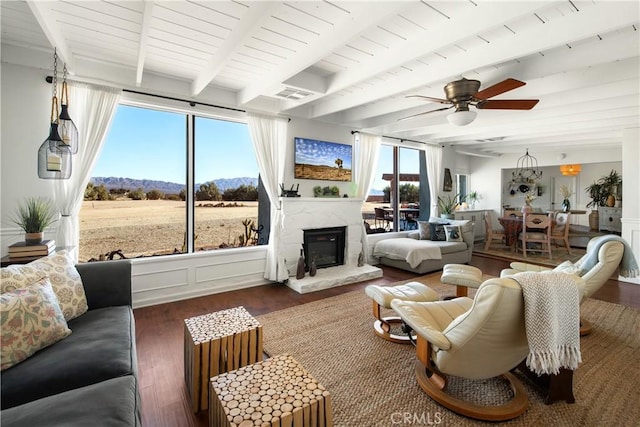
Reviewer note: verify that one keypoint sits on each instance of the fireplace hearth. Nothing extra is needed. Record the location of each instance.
(325, 246)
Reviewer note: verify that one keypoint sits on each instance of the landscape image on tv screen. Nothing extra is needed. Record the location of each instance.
(322, 160)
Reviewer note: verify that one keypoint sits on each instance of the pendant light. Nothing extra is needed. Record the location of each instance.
(54, 156)
(527, 169)
(68, 130)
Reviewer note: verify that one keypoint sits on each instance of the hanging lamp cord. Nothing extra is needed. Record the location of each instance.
(64, 96)
(54, 98)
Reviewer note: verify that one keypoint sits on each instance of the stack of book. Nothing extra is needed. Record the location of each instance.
(22, 251)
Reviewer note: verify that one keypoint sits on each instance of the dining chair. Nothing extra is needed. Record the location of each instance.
(536, 229)
(560, 229)
(381, 217)
(490, 233)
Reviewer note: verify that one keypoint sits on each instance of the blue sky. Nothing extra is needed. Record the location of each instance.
(150, 144)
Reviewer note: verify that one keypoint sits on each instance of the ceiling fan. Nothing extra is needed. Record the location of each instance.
(463, 93)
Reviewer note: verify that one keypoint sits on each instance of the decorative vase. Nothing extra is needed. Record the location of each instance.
(33, 238)
(300, 268)
(611, 201)
(566, 205)
(594, 220)
(526, 209)
(312, 268)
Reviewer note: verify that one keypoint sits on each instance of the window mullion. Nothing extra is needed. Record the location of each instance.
(190, 190)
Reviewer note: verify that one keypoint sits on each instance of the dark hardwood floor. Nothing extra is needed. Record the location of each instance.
(160, 334)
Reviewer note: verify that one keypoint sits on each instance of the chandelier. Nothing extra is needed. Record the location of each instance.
(527, 169)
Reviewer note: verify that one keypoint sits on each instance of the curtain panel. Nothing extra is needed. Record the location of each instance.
(434, 174)
(269, 136)
(92, 109)
(367, 152)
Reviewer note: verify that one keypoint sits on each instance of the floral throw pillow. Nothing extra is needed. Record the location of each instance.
(31, 320)
(65, 280)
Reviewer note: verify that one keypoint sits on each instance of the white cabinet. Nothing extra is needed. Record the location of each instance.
(610, 219)
(477, 217)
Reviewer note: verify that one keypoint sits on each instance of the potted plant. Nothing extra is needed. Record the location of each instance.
(611, 184)
(472, 198)
(448, 206)
(602, 192)
(33, 216)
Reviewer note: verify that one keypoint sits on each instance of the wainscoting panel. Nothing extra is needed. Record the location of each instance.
(158, 280)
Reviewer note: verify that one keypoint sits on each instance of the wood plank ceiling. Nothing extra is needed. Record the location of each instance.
(354, 63)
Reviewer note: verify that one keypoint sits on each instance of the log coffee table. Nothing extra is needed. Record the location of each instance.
(275, 392)
(215, 343)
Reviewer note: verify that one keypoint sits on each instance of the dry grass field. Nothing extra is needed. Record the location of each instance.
(148, 227)
(322, 172)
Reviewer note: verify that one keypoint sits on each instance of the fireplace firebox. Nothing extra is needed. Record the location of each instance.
(325, 246)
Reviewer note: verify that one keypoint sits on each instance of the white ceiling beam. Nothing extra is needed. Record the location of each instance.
(363, 16)
(257, 13)
(144, 38)
(474, 21)
(600, 18)
(42, 12)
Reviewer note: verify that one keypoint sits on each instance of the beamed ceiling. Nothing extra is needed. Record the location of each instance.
(354, 63)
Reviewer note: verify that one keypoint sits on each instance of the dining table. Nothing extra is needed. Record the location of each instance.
(512, 226)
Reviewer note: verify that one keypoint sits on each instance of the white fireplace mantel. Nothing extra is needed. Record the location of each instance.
(306, 213)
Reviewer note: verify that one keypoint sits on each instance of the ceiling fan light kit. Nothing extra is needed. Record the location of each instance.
(461, 117)
(464, 93)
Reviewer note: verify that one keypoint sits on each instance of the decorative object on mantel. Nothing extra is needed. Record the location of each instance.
(361, 259)
(33, 216)
(300, 267)
(527, 169)
(326, 191)
(54, 156)
(289, 193)
(68, 129)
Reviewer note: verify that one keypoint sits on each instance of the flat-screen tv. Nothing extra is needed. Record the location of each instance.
(322, 160)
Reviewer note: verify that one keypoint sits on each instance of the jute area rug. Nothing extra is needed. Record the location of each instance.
(372, 381)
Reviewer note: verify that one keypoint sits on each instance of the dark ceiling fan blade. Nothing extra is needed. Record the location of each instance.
(507, 104)
(498, 88)
(426, 112)
(428, 98)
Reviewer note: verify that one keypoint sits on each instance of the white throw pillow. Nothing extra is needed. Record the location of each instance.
(453, 233)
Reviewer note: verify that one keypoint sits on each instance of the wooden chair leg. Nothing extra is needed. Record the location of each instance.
(382, 326)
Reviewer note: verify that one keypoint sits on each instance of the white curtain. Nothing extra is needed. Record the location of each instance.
(434, 174)
(92, 109)
(269, 135)
(367, 151)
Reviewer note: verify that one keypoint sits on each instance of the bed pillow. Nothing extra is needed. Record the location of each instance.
(61, 271)
(453, 233)
(437, 232)
(31, 320)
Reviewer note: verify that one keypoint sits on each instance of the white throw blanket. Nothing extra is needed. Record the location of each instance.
(411, 250)
(552, 320)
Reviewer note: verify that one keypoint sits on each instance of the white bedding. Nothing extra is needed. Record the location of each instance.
(411, 250)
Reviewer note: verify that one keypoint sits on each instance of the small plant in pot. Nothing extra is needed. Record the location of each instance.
(33, 216)
(447, 206)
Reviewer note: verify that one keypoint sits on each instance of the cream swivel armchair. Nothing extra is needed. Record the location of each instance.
(480, 338)
(609, 255)
(475, 338)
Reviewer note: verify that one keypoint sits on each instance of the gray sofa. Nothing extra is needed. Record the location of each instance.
(452, 252)
(90, 377)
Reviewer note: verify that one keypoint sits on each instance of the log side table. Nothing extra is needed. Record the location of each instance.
(215, 343)
(276, 392)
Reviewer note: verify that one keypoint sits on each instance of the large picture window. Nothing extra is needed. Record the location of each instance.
(138, 201)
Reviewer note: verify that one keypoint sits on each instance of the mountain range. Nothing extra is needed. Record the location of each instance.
(167, 187)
